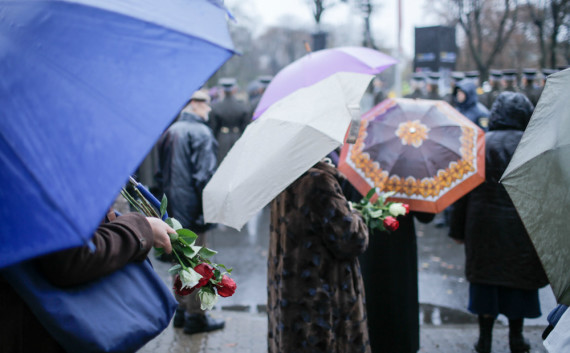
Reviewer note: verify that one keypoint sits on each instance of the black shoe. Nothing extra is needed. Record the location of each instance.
(485, 341)
(519, 344)
(178, 320)
(197, 323)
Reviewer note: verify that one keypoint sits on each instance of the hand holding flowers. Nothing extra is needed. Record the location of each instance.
(194, 269)
(381, 214)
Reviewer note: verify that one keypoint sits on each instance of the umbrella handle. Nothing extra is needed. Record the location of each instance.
(150, 197)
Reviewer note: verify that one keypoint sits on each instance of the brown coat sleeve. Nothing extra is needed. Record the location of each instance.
(128, 238)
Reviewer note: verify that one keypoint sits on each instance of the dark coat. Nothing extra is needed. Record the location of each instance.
(497, 247)
(390, 274)
(186, 162)
(315, 291)
(416, 94)
(470, 107)
(228, 120)
(117, 243)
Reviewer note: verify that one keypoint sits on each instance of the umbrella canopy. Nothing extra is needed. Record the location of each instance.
(538, 181)
(86, 88)
(319, 65)
(274, 151)
(423, 150)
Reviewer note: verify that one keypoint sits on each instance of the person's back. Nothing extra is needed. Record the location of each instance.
(502, 266)
(228, 119)
(187, 161)
(315, 292)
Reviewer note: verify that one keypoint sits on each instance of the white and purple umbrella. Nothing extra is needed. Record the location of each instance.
(316, 66)
(304, 115)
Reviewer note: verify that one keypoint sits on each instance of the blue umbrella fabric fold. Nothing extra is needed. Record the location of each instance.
(86, 88)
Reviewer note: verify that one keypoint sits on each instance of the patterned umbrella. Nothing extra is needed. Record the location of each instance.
(423, 150)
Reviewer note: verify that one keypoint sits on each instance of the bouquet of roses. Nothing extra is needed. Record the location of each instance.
(380, 214)
(194, 270)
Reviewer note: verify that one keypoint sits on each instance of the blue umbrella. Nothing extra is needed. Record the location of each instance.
(86, 88)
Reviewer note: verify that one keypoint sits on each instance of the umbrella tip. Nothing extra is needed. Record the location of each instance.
(132, 181)
(307, 46)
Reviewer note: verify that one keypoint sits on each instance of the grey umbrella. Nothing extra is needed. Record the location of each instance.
(538, 181)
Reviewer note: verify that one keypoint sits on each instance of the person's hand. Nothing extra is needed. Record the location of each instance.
(160, 231)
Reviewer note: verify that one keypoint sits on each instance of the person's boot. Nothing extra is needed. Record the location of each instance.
(197, 323)
(483, 345)
(178, 320)
(517, 342)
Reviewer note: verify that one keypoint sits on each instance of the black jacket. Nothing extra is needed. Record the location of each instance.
(497, 247)
(187, 160)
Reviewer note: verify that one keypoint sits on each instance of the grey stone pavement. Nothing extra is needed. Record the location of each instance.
(446, 326)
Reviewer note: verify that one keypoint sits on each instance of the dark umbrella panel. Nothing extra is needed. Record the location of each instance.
(424, 151)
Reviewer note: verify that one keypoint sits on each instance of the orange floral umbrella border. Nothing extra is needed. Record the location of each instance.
(428, 187)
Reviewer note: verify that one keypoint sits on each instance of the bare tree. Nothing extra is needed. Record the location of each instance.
(367, 7)
(320, 6)
(486, 42)
(550, 17)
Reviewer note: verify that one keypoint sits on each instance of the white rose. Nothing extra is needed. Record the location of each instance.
(396, 209)
(189, 278)
(207, 298)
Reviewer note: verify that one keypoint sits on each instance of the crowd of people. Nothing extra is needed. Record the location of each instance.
(332, 284)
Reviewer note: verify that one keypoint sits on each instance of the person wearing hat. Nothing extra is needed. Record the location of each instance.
(473, 76)
(228, 118)
(186, 161)
(417, 85)
(528, 87)
(510, 80)
(456, 77)
(433, 86)
(255, 97)
(487, 98)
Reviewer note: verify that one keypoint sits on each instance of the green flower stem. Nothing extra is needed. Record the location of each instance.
(147, 204)
(179, 260)
(132, 201)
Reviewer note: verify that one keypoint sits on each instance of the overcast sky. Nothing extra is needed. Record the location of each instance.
(385, 18)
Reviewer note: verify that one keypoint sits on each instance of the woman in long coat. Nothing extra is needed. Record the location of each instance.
(502, 266)
(390, 274)
(315, 291)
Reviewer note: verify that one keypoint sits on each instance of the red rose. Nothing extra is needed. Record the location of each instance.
(391, 223)
(407, 207)
(206, 271)
(227, 287)
(178, 287)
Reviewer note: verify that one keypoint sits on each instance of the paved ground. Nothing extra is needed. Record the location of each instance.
(446, 325)
(246, 332)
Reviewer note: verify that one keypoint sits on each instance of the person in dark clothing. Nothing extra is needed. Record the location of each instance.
(467, 102)
(510, 81)
(495, 77)
(228, 118)
(433, 86)
(528, 87)
(255, 97)
(126, 239)
(502, 266)
(390, 274)
(456, 77)
(417, 85)
(186, 162)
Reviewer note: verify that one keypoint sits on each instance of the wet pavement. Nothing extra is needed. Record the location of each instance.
(446, 326)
